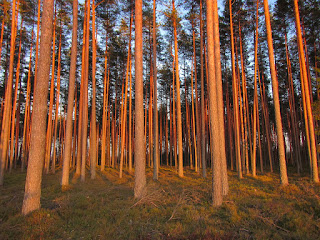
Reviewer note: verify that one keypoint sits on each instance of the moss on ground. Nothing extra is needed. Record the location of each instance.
(174, 208)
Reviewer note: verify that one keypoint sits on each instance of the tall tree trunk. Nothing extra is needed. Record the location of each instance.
(32, 193)
(26, 113)
(105, 109)
(49, 128)
(130, 121)
(5, 130)
(213, 111)
(203, 131)
(179, 116)
(108, 122)
(155, 98)
(218, 78)
(74, 144)
(140, 176)
(53, 166)
(246, 119)
(79, 145)
(259, 139)
(235, 99)
(255, 97)
(174, 140)
(266, 119)
(84, 127)
(93, 139)
(14, 108)
(229, 127)
(124, 111)
(308, 109)
(275, 90)
(17, 132)
(194, 122)
(293, 117)
(197, 131)
(72, 80)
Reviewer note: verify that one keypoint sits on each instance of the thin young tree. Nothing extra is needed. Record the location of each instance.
(5, 130)
(93, 128)
(105, 108)
(49, 126)
(203, 131)
(179, 116)
(235, 98)
(255, 95)
(155, 98)
(72, 80)
(124, 106)
(84, 127)
(14, 121)
(32, 193)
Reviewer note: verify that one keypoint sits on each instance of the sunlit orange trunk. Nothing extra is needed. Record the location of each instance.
(179, 115)
(275, 90)
(221, 111)
(255, 100)
(307, 99)
(14, 109)
(124, 115)
(49, 127)
(197, 131)
(235, 99)
(140, 177)
(32, 193)
(174, 141)
(84, 126)
(202, 107)
(72, 79)
(54, 159)
(93, 127)
(105, 109)
(155, 99)
(5, 131)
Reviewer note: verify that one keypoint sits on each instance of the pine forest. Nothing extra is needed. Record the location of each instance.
(177, 119)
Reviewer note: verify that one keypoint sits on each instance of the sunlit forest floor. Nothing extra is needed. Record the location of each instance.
(174, 208)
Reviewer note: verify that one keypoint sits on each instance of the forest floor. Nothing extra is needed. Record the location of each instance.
(174, 208)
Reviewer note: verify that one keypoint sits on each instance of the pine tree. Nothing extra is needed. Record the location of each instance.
(32, 193)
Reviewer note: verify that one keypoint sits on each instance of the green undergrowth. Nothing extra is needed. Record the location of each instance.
(174, 208)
